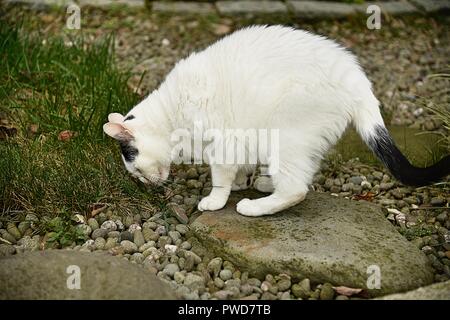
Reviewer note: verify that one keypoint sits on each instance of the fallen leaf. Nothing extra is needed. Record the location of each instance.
(66, 135)
(221, 29)
(33, 128)
(367, 196)
(346, 291)
(47, 18)
(96, 208)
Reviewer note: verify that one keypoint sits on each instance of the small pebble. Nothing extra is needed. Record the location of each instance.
(327, 292)
(138, 238)
(99, 233)
(128, 246)
(109, 225)
(170, 269)
(225, 275)
(126, 235)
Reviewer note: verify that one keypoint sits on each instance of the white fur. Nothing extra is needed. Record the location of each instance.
(260, 77)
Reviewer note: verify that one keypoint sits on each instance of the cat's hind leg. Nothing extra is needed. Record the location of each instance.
(269, 205)
(290, 188)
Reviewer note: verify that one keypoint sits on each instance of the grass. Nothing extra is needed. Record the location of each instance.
(51, 86)
(61, 231)
(441, 112)
(416, 232)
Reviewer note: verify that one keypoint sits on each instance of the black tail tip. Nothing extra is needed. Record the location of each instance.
(385, 149)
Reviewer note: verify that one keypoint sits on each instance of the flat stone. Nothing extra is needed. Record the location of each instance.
(432, 5)
(132, 3)
(178, 212)
(324, 238)
(256, 7)
(182, 7)
(111, 3)
(44, 275)
(437, 291)
(321, 9)
(392, 8)
(42, 4)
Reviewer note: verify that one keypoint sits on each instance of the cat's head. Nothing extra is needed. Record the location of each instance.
(144, 152)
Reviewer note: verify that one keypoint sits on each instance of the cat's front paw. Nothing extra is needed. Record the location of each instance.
(211, 203)
(249, 208)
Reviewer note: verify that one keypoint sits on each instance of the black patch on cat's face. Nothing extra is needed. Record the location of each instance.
(129, 152)
(130, 117)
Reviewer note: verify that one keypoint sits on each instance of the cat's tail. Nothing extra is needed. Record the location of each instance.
(370, 125)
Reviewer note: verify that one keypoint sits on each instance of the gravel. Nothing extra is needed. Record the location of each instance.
(126, 235)
(93, 224)
(109, 225)
(214, 266)
(8, 237)
(302, 289)
(128, 246)
(138, 238)
(13, 230)
(7, 250)
(326, 292)
(171, 269)
(99, 233)
(225, 274)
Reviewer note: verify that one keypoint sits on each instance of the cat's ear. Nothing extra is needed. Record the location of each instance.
(117, 131)
(115, 118)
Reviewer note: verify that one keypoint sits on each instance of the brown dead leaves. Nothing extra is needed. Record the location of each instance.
(67, 135)
(349, 292)
(367, 196)
(95, 208)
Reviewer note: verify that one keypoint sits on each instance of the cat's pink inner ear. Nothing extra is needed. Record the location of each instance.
(115, 118)
(117, 131)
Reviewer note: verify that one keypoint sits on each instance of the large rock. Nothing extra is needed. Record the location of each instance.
(437, 291)
(325, 239)
(45, 275)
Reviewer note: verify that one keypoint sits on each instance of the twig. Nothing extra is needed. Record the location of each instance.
(5, 241)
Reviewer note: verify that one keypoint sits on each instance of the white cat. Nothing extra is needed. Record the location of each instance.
(261, 77)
